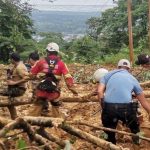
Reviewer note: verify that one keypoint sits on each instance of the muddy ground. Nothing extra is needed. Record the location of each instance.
(88, 111)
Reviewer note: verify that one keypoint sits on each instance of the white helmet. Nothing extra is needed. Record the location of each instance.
(125, 63)
(52, 47)
(99, 73)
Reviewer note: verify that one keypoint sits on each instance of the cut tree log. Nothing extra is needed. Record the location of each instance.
(90, 138)
(33, 136)
(4, 121)
(38, 121)
(4, 102)
(10, 126)
(108, 129)
(145, 84)
(20, 123)
(51, 137)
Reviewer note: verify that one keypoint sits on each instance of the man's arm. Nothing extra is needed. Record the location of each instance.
(70, 83)
(24, 77)
(100, 91)
(11, 82)
(68, 78)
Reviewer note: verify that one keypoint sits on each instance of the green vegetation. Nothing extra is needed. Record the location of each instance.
(15, 28)
(106, 40)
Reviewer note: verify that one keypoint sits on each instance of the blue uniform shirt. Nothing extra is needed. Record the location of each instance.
(119, 86)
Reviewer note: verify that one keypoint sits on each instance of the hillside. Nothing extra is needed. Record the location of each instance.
(81, 113)
(61, 21)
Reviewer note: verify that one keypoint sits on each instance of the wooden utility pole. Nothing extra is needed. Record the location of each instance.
(130, 32)
(149, 24)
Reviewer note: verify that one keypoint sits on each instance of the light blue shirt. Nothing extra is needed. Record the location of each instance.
(119, 86)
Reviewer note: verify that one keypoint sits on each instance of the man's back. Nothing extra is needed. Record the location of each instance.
(119, 86)
(43, 67)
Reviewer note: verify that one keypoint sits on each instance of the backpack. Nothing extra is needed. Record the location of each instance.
(50, 83)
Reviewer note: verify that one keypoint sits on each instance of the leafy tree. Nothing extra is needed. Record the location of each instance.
(111, 28)
(84, 50)
(14, 16)
(15, 26)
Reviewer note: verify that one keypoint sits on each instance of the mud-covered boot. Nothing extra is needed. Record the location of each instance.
(45, 109)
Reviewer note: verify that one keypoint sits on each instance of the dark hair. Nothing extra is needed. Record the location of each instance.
(34, 55)
(143, 59)
(15, 56)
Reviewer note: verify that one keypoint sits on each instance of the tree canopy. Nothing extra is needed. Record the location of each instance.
(111, 28)
(16, 27)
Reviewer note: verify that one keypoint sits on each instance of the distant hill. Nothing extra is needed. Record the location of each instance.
(61, 21)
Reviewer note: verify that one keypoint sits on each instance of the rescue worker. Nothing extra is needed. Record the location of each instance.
(144, 61)
(17, 78)
(48, 89)
(98, 74)
(118, 86)
(33, 60)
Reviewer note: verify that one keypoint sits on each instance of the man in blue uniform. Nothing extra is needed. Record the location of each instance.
(118, 86)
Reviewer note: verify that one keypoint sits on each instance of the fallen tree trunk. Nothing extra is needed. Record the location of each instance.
(51, 137)
(49, 122)
(20, 123)
(4, 102)
(10, 126)
(109, 129)
(33, 136)
(38, 121)
(4, 121)
(90, 138)
(145, 84)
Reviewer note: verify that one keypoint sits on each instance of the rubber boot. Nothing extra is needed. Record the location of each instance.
(13, 112)
(45, 111)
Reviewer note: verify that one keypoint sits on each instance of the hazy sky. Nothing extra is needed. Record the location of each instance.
(46, 5)
(73, 2)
